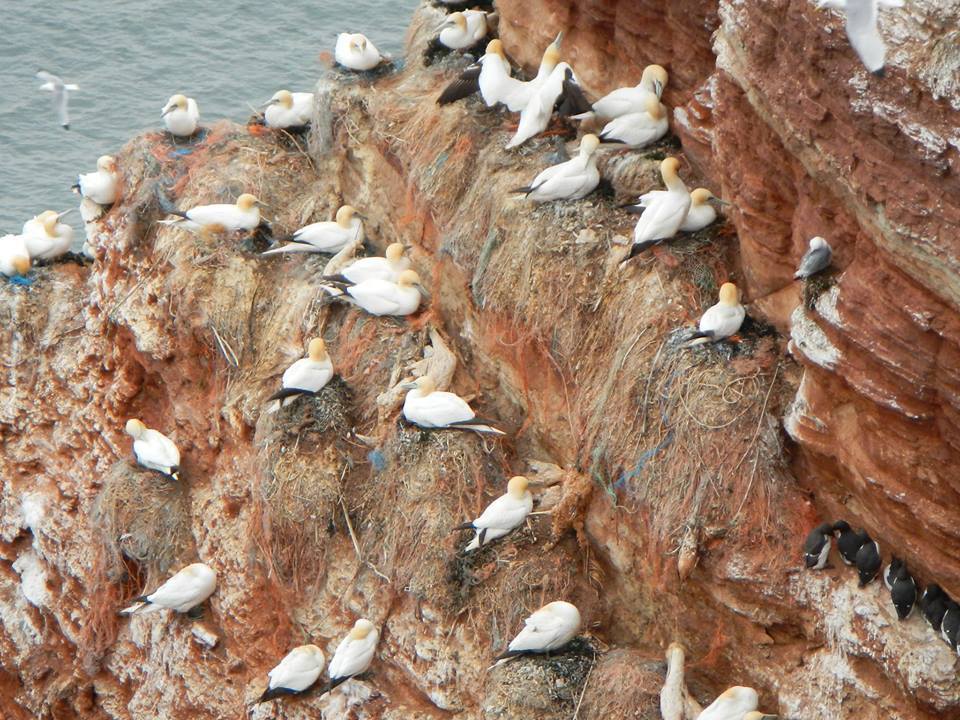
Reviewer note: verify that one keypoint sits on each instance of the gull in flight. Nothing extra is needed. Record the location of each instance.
(60, 92)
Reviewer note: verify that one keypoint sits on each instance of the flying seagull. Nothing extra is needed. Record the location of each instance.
(60, 92)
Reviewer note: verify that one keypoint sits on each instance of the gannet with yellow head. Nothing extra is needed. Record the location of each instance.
(181, 116)
(548, 629)
(666, 212)
(639, 129)
(429, 408)
(559, 91)
(288, 110)
(701, 212)
(722, 320)
(181, 593)
(490, 77)
(356, 52)
(46, 237)
(354, 653)
(153, 449)
(296, 673)
(328, 236)
(624, 101)
(463, 30)
(244, 215)
(732, 704)
(383, 297)
(503, 515)
(14, 256)
(306, 376)
(386, 268)
(101, 186)
(570, 180)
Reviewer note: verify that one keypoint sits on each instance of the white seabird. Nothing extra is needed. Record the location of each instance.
(382, 297)
(862, 30)
(490, 76)
(570, 180)
(356, 52)
(306, 376)
(153, 449)
(560, 90)
(427, 407)
(61, 94)
(548, 629)
(101, 186)
(639, 129)
(289, 110)
(354, 653)
(46, 237)
(298, 671)
(463, 30)
(519, 93)
(327, 236)
(815, 260)
(14, 256)
(386, 268)
(665, 213)
(624, 101)
(723, 319)
(244, 215)
(700, 215)
(181, 115)
(502, 516)
(181, 593)
(732, 704)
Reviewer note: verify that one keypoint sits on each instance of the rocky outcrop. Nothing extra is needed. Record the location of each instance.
(650, 456)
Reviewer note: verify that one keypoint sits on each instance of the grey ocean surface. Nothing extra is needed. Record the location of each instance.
(130, 56)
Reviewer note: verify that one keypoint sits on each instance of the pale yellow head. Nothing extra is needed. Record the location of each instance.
(670, 169)
(284, 98)
(247, 201)
(495, 47)
(177, 101)
(589, 144)
(700, 196)
(311, 651)
(425, 384)
(517, 487)
(49, 222)
(21, 263)
(551, 56)
(654, 76)
(135, 428)
(106, 163)
(395, 252)
(408, 278)
(345, 215)
(653, 107)
(361, 628)
(359, 42)
(458, 19)
(317, 350)
(729, 295)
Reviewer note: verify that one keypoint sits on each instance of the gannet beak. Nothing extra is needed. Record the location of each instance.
(168, 109)
(559, 39)
(65, 212)
(719, 201)
(658, 88)
(261, 203)
(445, 24)
(360, 215)
(268, 103)
(409, 386)
(423, 291)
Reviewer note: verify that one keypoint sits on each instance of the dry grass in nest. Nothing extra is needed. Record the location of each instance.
(143, 516)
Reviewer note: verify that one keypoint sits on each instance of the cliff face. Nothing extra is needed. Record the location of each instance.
(655, 456)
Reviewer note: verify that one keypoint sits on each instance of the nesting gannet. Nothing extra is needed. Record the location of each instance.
(61, 94)
(638, 129)
(848, 541)
(548, 629)
(933, 605)
(244, 215)
(903, 590)
(386, 268)
(329, 236)
(298, 671)
(624, 101)
(100, 186)
(519, 93)
(732, 704)
(382, 297)
(153, 449)
(306, 376)
(666, 212)
(356, 52)
(490, 77)
(721, 320)
(950, 625)
(816, 550)
(288, 110)
(570, 180)
(862, 30)
(463, 30)
(700, 215)
(559, 91)
(46, 237)
(14, 256)
(181, 115)
(816, 259)
(430, 408)
(354, 653)
(868, 560)
(181, 593)
(502, 516)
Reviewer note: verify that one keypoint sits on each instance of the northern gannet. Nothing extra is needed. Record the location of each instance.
(181, 593)
(463, 30)
(903, 590)
(816, 549)
(570, 180)
(624, 101)
(816, 259)
(732, 704)
(298, 671)
(502, 516)
(862, 30)
(722, 320)
(382, 297)
(666, 212)
(427, 407)
(61, 94)
(490, 77)
(386, 268)
(46, 237)
(933, 605)
(244, 215)
(181, 116)
(638, 129)
(354, 653)
(153, 449)
(356, 52)
(848, 541)
(306, 376)
(559, 91)
(289, 110)
(14, 256)
(327, 236)
(700, 215)
(548, 629)
(868, 560)
(100, 186)
(519, 93)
